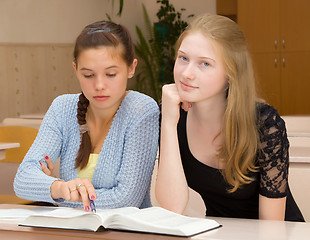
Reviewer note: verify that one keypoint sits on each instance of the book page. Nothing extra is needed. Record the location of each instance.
(66, 218)
(74, 218)
(66, 212)
(63, 212)
(106, 213)
(19, 215)
(159, 220)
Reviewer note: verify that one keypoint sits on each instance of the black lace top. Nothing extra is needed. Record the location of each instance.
(271, 180)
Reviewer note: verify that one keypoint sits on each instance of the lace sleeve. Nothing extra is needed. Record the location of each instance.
(273, 159)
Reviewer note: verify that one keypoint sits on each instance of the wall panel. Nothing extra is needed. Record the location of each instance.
(32, 75)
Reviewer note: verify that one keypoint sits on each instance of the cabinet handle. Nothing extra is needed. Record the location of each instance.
(275, 43)
(275, 62)
(283, 62)
(283, 43)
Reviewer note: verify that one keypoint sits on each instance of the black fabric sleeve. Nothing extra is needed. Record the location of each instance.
(273, 158)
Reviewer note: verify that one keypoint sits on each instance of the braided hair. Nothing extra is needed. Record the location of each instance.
(85, 147)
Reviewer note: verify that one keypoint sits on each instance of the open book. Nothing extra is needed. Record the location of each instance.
(149, 220)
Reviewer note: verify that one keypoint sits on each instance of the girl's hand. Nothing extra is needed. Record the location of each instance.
(171, 103)
(76, 190)
(48, 170)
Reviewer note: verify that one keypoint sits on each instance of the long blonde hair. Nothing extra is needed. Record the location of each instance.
(241, 139)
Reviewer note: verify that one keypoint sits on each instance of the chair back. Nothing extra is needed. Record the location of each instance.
(13, 157)
(20, 134)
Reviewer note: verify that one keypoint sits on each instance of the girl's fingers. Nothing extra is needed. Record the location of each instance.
(87, 192)
(48, 170)
(66, 191)
(45, 169)
(49, 163)
(82, 190)
(90, 190)
(75, 195)
(84, 195)
(186, 106)
(76, 190)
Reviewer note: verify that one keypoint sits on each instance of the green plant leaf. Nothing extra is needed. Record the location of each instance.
(121, 5)
(155, 48)
(108, 17)
(148, 23)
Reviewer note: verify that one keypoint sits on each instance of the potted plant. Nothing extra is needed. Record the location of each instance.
(156, 48)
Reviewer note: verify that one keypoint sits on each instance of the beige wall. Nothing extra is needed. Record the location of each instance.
(32, 75)
(59, 21)
(36, 42)
(47, 21)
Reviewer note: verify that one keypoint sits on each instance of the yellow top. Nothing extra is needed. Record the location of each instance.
(88, 171)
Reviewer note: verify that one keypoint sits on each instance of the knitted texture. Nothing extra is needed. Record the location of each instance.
(122, 176)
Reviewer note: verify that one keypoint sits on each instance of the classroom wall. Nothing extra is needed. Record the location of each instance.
(47, 21)
(36, 44)
(60, 21)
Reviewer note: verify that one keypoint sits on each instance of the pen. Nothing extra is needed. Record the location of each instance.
(92, 206)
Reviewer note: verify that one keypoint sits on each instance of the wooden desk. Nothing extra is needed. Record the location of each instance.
(298, 134)
(33, 116)
(4, 146)
(299, 150)
(27, 122)
(300, 155)
(297, 126)
(233, 229)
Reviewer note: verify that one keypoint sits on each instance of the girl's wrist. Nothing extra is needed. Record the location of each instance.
(56, 189)
(167, 124)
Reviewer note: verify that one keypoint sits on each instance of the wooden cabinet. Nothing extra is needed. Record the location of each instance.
(278, 34)
(227, 8)
(260, 21)
(268, 77)
(295, 83)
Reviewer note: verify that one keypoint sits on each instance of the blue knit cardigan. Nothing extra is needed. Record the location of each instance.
(123, 173)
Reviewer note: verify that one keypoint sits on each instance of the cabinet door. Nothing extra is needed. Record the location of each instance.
(259, 20)
(267, 72)
(295, 83)
(295, 29)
